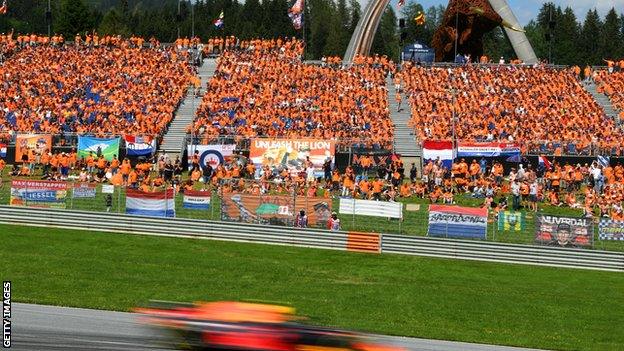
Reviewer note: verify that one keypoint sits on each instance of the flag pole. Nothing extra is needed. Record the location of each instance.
(303, 26)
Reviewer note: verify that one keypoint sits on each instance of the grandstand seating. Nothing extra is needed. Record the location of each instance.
(98, 89)
(263, 89)
(503, 103)
(612, 85)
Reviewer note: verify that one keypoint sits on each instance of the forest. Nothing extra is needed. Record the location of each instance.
(557, 35)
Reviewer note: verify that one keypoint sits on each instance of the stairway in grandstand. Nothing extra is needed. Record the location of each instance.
(174, 139)
(602, 100)
(404, 140)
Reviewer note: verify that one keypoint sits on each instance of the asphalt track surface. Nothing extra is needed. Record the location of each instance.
(39, 327)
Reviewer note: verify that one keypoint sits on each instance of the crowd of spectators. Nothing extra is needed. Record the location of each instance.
(612, 85)
(524, 104)
(262, 89)
(94, 85)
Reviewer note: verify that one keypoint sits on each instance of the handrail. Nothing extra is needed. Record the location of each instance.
(316, 238)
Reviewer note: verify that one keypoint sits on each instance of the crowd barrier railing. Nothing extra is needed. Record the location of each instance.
(341, 240)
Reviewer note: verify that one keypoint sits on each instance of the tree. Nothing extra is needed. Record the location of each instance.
(611, 37)
(74, 17)
(386, 41)
(113, 23)
(588, 45)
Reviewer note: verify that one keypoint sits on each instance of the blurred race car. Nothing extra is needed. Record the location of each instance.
(249, 326)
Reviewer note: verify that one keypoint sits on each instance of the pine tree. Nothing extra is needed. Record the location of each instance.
(74, 17)
(611, 37)
(588, 45)
(386, 41)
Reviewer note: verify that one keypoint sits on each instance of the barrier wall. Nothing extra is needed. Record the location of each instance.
(346, 241)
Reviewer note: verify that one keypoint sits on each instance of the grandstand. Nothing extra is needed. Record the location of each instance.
(264, 90)
(528, 105)
(98, 90)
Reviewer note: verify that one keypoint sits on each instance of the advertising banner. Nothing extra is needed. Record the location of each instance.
(83, 191)
(610, 230)
(563, 231)
(38, 193)
(494, 149)
(38, 143)
(196, 200)
(154, 204)
(432, 150)
(457, 222)
(108, 147)
(511, 221)
(139, 145)
(292, 153)
(372, 208)
(274, 209)
(213, 155)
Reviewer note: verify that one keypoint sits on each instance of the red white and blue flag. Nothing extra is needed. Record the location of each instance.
(154, 204)
(219, 21)
(196, 200)
(295, 13)
(443, 150)
(457, 222)
(3, 150)
(544, 163)
(139, 145)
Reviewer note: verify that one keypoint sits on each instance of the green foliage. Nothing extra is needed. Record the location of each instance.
(74, 17)
(328, 25)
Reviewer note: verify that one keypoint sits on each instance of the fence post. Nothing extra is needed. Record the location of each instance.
(71, 199)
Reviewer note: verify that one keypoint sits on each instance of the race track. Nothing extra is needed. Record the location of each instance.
(38, 327)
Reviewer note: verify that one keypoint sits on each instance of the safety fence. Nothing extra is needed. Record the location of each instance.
(248, 205)
(346, 241)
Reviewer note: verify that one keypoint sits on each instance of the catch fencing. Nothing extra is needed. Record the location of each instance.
(349, 241)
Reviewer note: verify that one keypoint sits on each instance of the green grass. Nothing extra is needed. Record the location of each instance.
(391, 294)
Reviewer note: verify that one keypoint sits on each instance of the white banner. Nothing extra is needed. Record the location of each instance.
(371, 208)
(213, 155)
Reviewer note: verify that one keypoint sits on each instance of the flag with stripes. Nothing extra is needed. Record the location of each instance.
(604, 161)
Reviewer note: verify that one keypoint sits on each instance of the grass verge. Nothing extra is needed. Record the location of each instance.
(399, 295)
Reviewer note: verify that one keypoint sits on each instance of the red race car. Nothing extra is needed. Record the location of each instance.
(249, 326)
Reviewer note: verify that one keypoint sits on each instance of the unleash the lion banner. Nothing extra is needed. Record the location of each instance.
(292, 153)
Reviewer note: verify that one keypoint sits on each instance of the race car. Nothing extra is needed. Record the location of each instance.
(245, 326)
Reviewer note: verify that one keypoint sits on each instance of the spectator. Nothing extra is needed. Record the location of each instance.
(333, 223)
(301, 221)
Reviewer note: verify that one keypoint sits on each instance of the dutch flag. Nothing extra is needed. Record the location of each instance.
(544, 163)
(153, 204)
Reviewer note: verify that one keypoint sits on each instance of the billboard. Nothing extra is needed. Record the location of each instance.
(457, 222)
(292, 153)
(493, 149)
(563, 231)
(372, 208)
(610, 230)
(274, 209)
(108, 147)
(38, 193)
(83, 190)
(39, 143)
(213, 155)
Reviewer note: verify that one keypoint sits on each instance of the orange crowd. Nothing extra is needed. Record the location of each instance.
(263, 89)
(92, 89)
(505, 103)
(612, 85)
